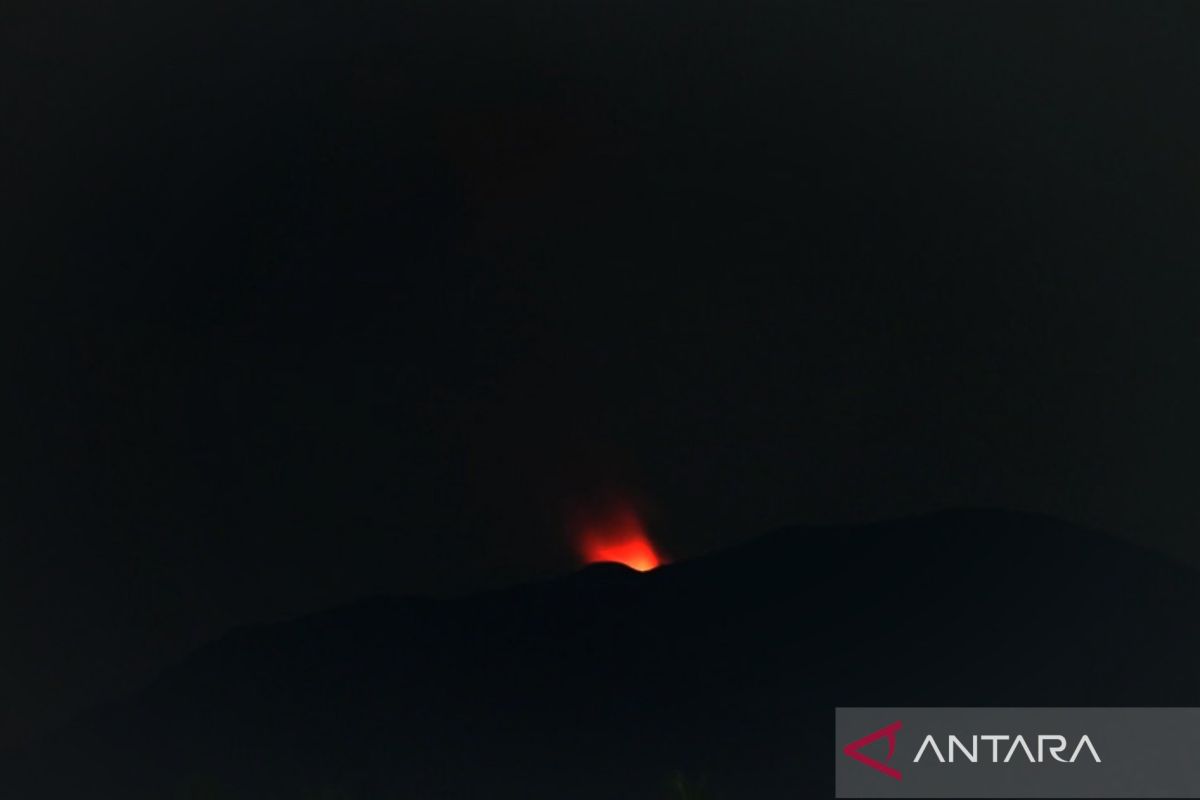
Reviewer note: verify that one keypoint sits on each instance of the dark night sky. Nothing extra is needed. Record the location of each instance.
(299, 306)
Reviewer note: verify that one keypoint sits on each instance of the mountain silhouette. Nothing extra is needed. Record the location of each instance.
(609, 683)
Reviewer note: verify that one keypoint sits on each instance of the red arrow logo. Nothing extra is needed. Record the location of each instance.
(853, 748)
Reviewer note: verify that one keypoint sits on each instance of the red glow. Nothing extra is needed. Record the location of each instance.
(617, 534)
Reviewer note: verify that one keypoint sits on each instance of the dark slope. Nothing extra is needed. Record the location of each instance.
(601, 684)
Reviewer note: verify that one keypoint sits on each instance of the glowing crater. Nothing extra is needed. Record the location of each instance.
(616, 533)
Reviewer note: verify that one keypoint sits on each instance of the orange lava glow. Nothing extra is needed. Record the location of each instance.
(617, 534)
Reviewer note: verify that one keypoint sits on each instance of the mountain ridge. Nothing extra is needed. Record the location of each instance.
(603, 682)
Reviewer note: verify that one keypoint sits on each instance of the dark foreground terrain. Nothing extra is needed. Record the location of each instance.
(604, 684)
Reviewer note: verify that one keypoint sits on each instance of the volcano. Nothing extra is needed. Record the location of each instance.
(616, 534)
(611, 683)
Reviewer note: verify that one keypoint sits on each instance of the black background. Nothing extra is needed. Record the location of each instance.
(305, 304)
